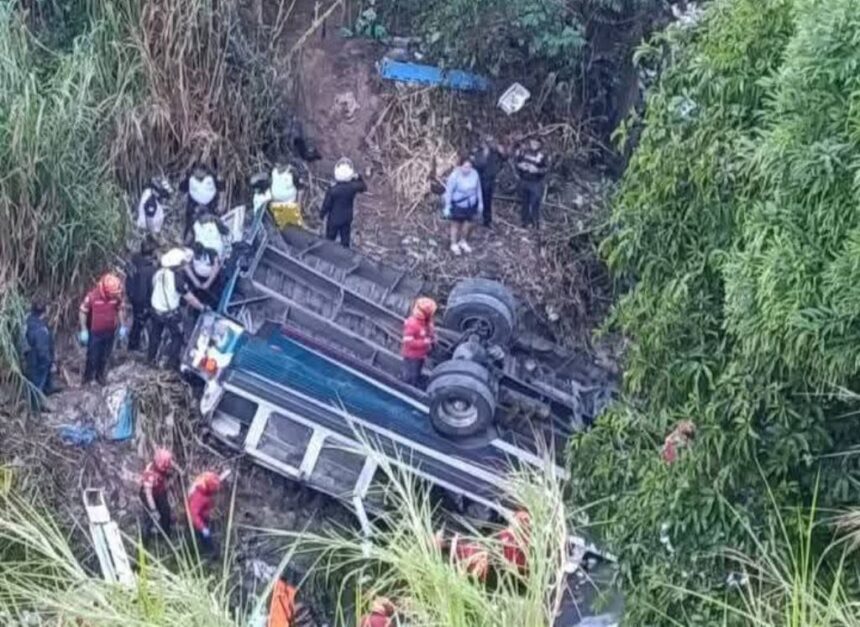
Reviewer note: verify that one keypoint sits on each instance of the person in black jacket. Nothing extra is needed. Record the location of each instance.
(337, 207)
(488, 160)
(38, 354)
(532, 166)
(138, 288)
(203, 187)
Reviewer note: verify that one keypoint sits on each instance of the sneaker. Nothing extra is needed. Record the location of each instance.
(464, 246)
(455, 248)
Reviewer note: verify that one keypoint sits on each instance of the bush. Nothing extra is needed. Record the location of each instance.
(731, 223)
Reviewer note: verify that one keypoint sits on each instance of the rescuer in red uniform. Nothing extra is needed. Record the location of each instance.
(153, 493)
(200, 501)
(101, 317)
(418, 337)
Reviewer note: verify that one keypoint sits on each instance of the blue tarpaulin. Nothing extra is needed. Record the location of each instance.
(124, 427)
(75, 435)
(430, 75)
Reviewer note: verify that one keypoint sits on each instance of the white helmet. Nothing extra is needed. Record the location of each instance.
(344, 170)
(175, 257)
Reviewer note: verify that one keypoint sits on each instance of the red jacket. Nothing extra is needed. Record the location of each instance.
(154, 480)
(200, 503)
(418, 336)
(512, 548)
(102, 312)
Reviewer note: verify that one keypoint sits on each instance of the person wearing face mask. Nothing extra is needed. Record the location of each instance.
(203, 188)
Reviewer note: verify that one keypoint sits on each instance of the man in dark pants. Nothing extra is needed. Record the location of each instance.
(38, 354)
(531, 166)
(101, 317)
(488, 160)
(169, 289)
(138, 288)
(153, 495)
(337, 208)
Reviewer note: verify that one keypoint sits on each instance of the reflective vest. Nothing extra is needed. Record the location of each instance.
(165, 298)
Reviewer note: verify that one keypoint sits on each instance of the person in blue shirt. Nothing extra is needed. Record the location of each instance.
(38, 354)
(463, 203)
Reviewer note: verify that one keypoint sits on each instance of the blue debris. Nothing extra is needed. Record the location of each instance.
(75, 435)
(124, 427)
(430, 75)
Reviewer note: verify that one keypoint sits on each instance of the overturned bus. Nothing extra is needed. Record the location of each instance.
(301, 363)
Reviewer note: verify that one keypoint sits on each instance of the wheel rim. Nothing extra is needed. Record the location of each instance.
(458, 411)
(478, 325)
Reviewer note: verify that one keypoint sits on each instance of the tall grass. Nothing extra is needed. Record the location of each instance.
(98, 98)
(40, 576)
(402, 561)
(789, 581)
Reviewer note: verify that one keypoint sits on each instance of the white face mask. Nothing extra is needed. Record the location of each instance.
(202, 191)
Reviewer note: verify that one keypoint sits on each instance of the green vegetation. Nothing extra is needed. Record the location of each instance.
(40, 575)
(737, 229)
(501, 36)
(98, 94)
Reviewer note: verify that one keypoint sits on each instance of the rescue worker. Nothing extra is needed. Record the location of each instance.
(150, 207)
(138, 288)
(38, 354)
(286, 608)
(153, 494)
(531, 166)
(203, 188)
(515, 539)
(339, 202)
(200, 501)
(419, 333)
(102, 318)
(472, 555)
(170, 288)
(283, 200)
(488, 161)
(463, 203)
(381, 614)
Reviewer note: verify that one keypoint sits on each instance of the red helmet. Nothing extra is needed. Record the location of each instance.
(162, 460)
(424, 308)
(208, 482)
(110, 286)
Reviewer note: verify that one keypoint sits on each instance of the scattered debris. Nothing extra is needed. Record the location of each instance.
(107, 541)
(514, 98)
(419, 74)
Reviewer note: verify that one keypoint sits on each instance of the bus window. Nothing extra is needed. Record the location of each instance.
(337, 469)
(285, 440)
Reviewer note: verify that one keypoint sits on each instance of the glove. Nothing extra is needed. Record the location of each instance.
(206, 533)
(84, 337)
(446, 212)
(123, 332)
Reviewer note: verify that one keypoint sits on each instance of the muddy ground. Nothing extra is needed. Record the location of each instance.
(393, 135)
